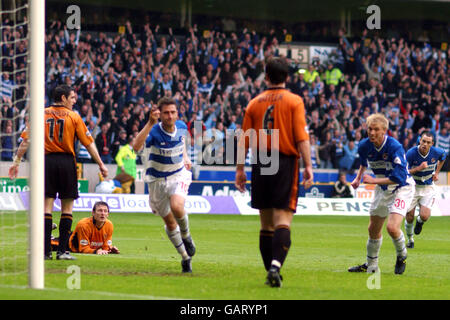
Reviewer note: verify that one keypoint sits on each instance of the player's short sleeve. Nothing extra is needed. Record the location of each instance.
(399, 172)
(409, 157)
(442, 154)
(24, 135)
(82, 131)
(181, 124)
(247, 124)
(299, 122)
(362, 154)
(149, 140)
(183, 128)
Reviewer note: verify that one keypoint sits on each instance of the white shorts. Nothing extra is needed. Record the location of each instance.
(161, 190)
(386, 202)
(425, 196)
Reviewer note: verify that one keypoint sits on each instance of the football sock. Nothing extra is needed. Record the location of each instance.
(265, 247)
(399, 245)
(184, 226)
(373, 248)
(48, 222)
(65, 225)
(281, 243)
(409, 229)
(175, 238)
(419, 219)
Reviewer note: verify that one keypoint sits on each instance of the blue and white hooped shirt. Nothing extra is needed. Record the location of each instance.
(388, 161)
(415, 158)
(163, 151)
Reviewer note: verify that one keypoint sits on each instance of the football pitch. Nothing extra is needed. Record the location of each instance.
(228, 266)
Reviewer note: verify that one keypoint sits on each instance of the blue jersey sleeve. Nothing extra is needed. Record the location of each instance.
(149, 141)
(362, 154)
(182, 128)
(181, 125)
(410, 157)
(443, 154)
(398, 161)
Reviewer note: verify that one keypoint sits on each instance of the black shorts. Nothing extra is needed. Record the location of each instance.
(61, 176)
(279, 190)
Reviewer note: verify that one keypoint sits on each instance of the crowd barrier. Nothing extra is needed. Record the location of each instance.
(236, 204)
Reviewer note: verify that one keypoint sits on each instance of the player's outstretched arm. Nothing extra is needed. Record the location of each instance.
(14, 168)
(186, 160)
(357, 181)
(304, 149)
(241, 177)
(92, 149)
(381, 181)
(143, 134)
(421, 167)
(438, 169)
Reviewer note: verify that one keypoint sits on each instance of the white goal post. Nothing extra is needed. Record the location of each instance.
(37, 101)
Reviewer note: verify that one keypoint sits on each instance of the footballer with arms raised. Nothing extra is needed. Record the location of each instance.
(167, 174)
(393, 193)
(425, 162)
(62, 127)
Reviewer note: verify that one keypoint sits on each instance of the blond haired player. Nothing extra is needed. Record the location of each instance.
(393, 193)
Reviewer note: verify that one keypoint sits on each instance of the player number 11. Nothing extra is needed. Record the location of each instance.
(52, 129)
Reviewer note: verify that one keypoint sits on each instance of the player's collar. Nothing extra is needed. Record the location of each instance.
(423, 156)
(172, 134)
(275, 88)
(95, 224)
(382, 145)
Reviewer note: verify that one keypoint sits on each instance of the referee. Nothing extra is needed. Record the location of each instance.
(278, 115)
(62, 127)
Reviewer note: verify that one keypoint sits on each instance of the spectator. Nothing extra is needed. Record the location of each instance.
(347, 162)
(421, 122)
(126, 163)
(103, 143)
(116, 76)
(443, 142)
(7, 143)
(327, 151)
(341, 188)
(315, 159)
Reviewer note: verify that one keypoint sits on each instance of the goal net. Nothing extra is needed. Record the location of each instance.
(17, 251)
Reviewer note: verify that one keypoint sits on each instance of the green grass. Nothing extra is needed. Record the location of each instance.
(228, 266)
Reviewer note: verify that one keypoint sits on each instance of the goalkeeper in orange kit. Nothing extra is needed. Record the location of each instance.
(93, 234)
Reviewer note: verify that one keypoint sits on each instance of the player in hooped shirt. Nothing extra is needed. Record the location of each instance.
(167, 174)
(425, 162)
(393, 193)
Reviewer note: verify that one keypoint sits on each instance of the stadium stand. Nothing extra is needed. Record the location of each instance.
(214, 73)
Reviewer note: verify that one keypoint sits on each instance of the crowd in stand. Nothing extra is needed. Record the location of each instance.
(213, 75)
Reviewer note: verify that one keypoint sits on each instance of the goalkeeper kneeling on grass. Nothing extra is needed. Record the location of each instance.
(92, 234)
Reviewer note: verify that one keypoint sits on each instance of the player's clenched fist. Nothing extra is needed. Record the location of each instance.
(154, 116)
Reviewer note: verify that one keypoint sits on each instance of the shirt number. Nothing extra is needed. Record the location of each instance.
(56, 131)
(400, 204)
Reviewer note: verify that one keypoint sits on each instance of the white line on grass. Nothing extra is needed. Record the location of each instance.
(109, 294)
